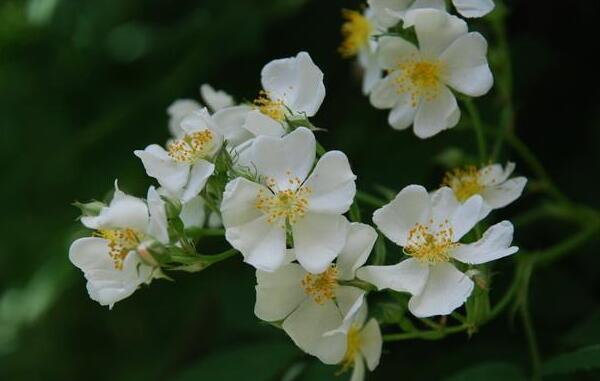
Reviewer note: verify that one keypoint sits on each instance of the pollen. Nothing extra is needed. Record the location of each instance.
(273, 108)
(192, 147)
(120, 243)
(465, 182)
(420, 78)
(353, 344)
(284, 206)
(321, 287)
(355, 31)
(430, 244)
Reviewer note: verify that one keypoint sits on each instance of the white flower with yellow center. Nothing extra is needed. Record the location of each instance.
(288, 206)
(416, 87)
(390, 12)
(184, 167)
(112, 259)
(311, 304)
(490, 182)
(429, 227)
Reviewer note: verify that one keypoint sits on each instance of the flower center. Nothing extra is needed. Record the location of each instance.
(321, 287)
(464, 182)
(428, 246)
(120, 243)
(353, 344)
(355, 31)
(286, 206)
(191, 147)
(420, 78)
(275, 109)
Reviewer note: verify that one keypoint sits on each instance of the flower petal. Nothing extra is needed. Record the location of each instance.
(259, 124)
(279, 293)
(467, 69)
(318, 239)
(199, 174)
(473, 8)
(350, 301)
(435, 115)
(157, 225)
(383, 94)
(435, 29)
(193, 213)
(359, 244)
(386, 11)
(494, 174)
(332, 184)
(446, 289)
(466, 216)
(358, 371)
(391, 51)
(215, 99)
(372, 74)
(297, 81)
(411, 206)
(229, 122)
(170, 174)
(200, 120)
(402, 115)
(372, 342)
(407, 276)
(494, 244)
(179, 110)
(503, 194)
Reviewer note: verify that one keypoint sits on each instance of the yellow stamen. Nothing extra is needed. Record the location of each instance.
(356, 31)
(464, 182)
(120, 243)
(353, 344)
(321, 287)
(192, 147)
(420, 78)
(275, 109)
(429, 245)
(286, 206)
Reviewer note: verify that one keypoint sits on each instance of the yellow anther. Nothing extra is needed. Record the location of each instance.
(420, 78)
(356, 31)
(321, 287)
(275, 109)
(464, 182)
(429, 245)
(285, 206)
(353, 344)
(120, 243)
(192, 147)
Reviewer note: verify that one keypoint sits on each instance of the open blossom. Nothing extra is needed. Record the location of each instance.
(258, 216)
(429, 227)
(390, 12)
(312, 304)
(112, 259)
(490, 182)
(184, 167)
(416, 88)
(358, 31)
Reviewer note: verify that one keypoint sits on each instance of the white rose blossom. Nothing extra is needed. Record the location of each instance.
(311, 305)
(429, 227)
(290, 199)
(111, 260)
(389, 12)
(183, 169)
(491, 182)
(416, 87)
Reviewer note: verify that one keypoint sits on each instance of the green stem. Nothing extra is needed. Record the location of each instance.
(427, 335)
(369, 199)
(532, 344)
(568, 245)
(478, 127)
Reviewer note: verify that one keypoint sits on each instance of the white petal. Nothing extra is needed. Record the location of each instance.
(199, 174)
(372, 74)
(494, 244)
(258, 124)
(124, 211)
(358, 371)
(391, 51)
(446, 289)
(169, 173)
(435, 115)
(407, 276)
(306, 327)
(179, 110)
(443, 204)
(318, 239)
(90, 252)
(351, 302)
(385, 11)
(332, 184)
(420, 4)
(372, 343)
(157, 225)
(284, 158)
(279, 293)
(215, 99)
(359, 244)
(503, 194)
(411, 206)
(297, 81)
(435, 29)
(246, 228)
(402, 115)
(466, 66)
(383, 94)
(229, 122)
(200, 120)
(466, 216)
(473, 8)
(193, 213)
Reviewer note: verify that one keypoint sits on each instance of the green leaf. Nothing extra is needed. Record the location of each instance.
(583, 359)
(492, 371)
(586, 332)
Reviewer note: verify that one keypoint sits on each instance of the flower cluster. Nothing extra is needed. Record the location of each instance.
(284, 203)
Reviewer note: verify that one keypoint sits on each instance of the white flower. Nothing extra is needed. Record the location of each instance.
(311, 305)
(111, 259)
(194, 214)
(416, 88)
(490, 182)
(389, 12)
(215, 99)
(259, 216)
(358, 31)
(183, 169)
(363, 342)
(428, 228)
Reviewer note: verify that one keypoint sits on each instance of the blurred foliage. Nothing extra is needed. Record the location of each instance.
(84, 83)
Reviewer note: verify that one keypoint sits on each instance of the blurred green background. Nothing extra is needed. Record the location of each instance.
(84, 83)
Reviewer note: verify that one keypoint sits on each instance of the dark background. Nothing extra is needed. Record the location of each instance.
(84, 83)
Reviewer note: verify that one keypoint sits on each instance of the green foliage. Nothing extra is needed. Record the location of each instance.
(583, 359)
(492, 371)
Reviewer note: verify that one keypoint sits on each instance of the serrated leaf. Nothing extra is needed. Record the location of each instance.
(583, 359)
(492, 371)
